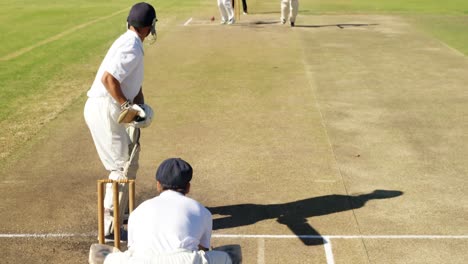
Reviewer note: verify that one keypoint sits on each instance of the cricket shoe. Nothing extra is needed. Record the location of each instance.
(292, 24)
(231, 21)
(283, 21)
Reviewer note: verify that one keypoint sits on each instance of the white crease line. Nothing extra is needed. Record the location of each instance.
(261, 251)
(188, 22)
(44, 235)
(400, 237)
(328, 250)
(261, 236)
(344, 236)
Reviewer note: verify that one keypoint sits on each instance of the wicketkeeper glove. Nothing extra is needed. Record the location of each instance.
(130, 112)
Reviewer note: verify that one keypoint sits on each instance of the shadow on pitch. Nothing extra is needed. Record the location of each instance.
(275, 12)
(264, 22)
(294, 214)
(342, 26)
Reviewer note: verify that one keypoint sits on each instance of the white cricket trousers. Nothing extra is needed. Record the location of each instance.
(112, 141)
(289, 9)
(225, 8)
(180, 256)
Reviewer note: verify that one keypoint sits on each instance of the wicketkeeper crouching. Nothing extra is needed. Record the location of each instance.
(170, 228)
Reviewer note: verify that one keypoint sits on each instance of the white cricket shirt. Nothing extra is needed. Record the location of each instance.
(168, 222)
(124, 61)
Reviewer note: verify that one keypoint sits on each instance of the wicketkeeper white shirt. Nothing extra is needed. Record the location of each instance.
(169, 222)
(124, 61)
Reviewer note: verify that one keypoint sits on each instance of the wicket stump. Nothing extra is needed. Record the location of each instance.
(115, 189)
(237, 8)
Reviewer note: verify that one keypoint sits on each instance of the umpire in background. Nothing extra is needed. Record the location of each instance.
(289, 10)
(244, 5)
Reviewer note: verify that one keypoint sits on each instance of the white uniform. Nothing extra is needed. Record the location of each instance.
(227, 13)
(168, 229)
(180, 256)
(168, 222)
(124, 61)
(289, 9)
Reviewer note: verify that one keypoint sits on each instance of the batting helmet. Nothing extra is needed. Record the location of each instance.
(142, 15)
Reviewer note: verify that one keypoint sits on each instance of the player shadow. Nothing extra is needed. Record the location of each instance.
(274, 12)
(341, 26)
(265, 12)
(294, 214)
(264, 22)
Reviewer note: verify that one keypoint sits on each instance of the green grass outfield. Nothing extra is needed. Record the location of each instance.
(26, 72)
(50, 50)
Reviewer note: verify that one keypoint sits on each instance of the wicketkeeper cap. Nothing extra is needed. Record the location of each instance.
(141, 15)
(174, 173)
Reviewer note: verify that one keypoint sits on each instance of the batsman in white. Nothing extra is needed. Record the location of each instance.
(289, 9)
(226, 11)
(115, 110)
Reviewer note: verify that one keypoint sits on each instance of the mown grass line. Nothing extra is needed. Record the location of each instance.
(37, 85)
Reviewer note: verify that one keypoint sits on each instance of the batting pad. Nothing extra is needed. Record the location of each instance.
(123, 205)
(129, 171)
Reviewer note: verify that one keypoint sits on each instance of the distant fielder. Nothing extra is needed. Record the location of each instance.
(115, 110)
(289, 9)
